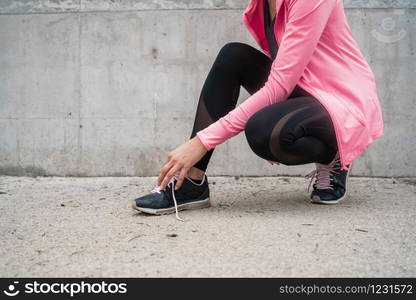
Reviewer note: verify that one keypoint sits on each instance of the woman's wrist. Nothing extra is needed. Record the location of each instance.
(199, 143)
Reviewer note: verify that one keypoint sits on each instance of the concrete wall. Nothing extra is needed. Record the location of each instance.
(108, 87)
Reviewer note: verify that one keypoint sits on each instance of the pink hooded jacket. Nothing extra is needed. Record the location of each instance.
(317, 51)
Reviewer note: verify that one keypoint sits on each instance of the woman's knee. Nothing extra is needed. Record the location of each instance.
(231, 54)
(256, 135)
(261, 136)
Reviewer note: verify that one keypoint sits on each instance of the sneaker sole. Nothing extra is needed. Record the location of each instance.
(164, 211)
(316, 199)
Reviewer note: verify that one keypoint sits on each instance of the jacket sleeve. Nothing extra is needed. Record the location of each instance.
(306, 22)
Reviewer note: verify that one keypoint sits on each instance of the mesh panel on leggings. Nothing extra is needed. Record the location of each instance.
(302, 136)
(203, 118)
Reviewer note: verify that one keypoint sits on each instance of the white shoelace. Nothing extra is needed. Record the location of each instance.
(322, 173)
(171, 182)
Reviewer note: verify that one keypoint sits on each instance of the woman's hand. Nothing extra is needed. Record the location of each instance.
(181, 159)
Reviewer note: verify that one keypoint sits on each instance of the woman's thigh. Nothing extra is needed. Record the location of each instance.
(294, 131)
(250, 65)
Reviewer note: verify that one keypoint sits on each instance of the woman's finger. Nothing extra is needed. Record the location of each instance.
(169, 175)
(168, 165)
(181, 177)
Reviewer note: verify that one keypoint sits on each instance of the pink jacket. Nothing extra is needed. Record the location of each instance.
(317, 51)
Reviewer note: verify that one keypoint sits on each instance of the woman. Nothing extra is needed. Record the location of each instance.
(313, 99)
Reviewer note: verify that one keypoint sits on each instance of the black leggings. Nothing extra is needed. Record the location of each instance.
(297, 130)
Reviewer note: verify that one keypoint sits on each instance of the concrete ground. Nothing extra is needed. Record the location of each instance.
(256, 227)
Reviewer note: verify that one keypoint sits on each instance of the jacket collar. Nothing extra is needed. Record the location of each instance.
(253, 19)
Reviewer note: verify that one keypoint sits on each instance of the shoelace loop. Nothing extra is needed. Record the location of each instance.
(322, 174)
(171, 182)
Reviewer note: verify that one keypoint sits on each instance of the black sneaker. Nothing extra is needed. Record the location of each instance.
(190, 195)
(330, 186)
